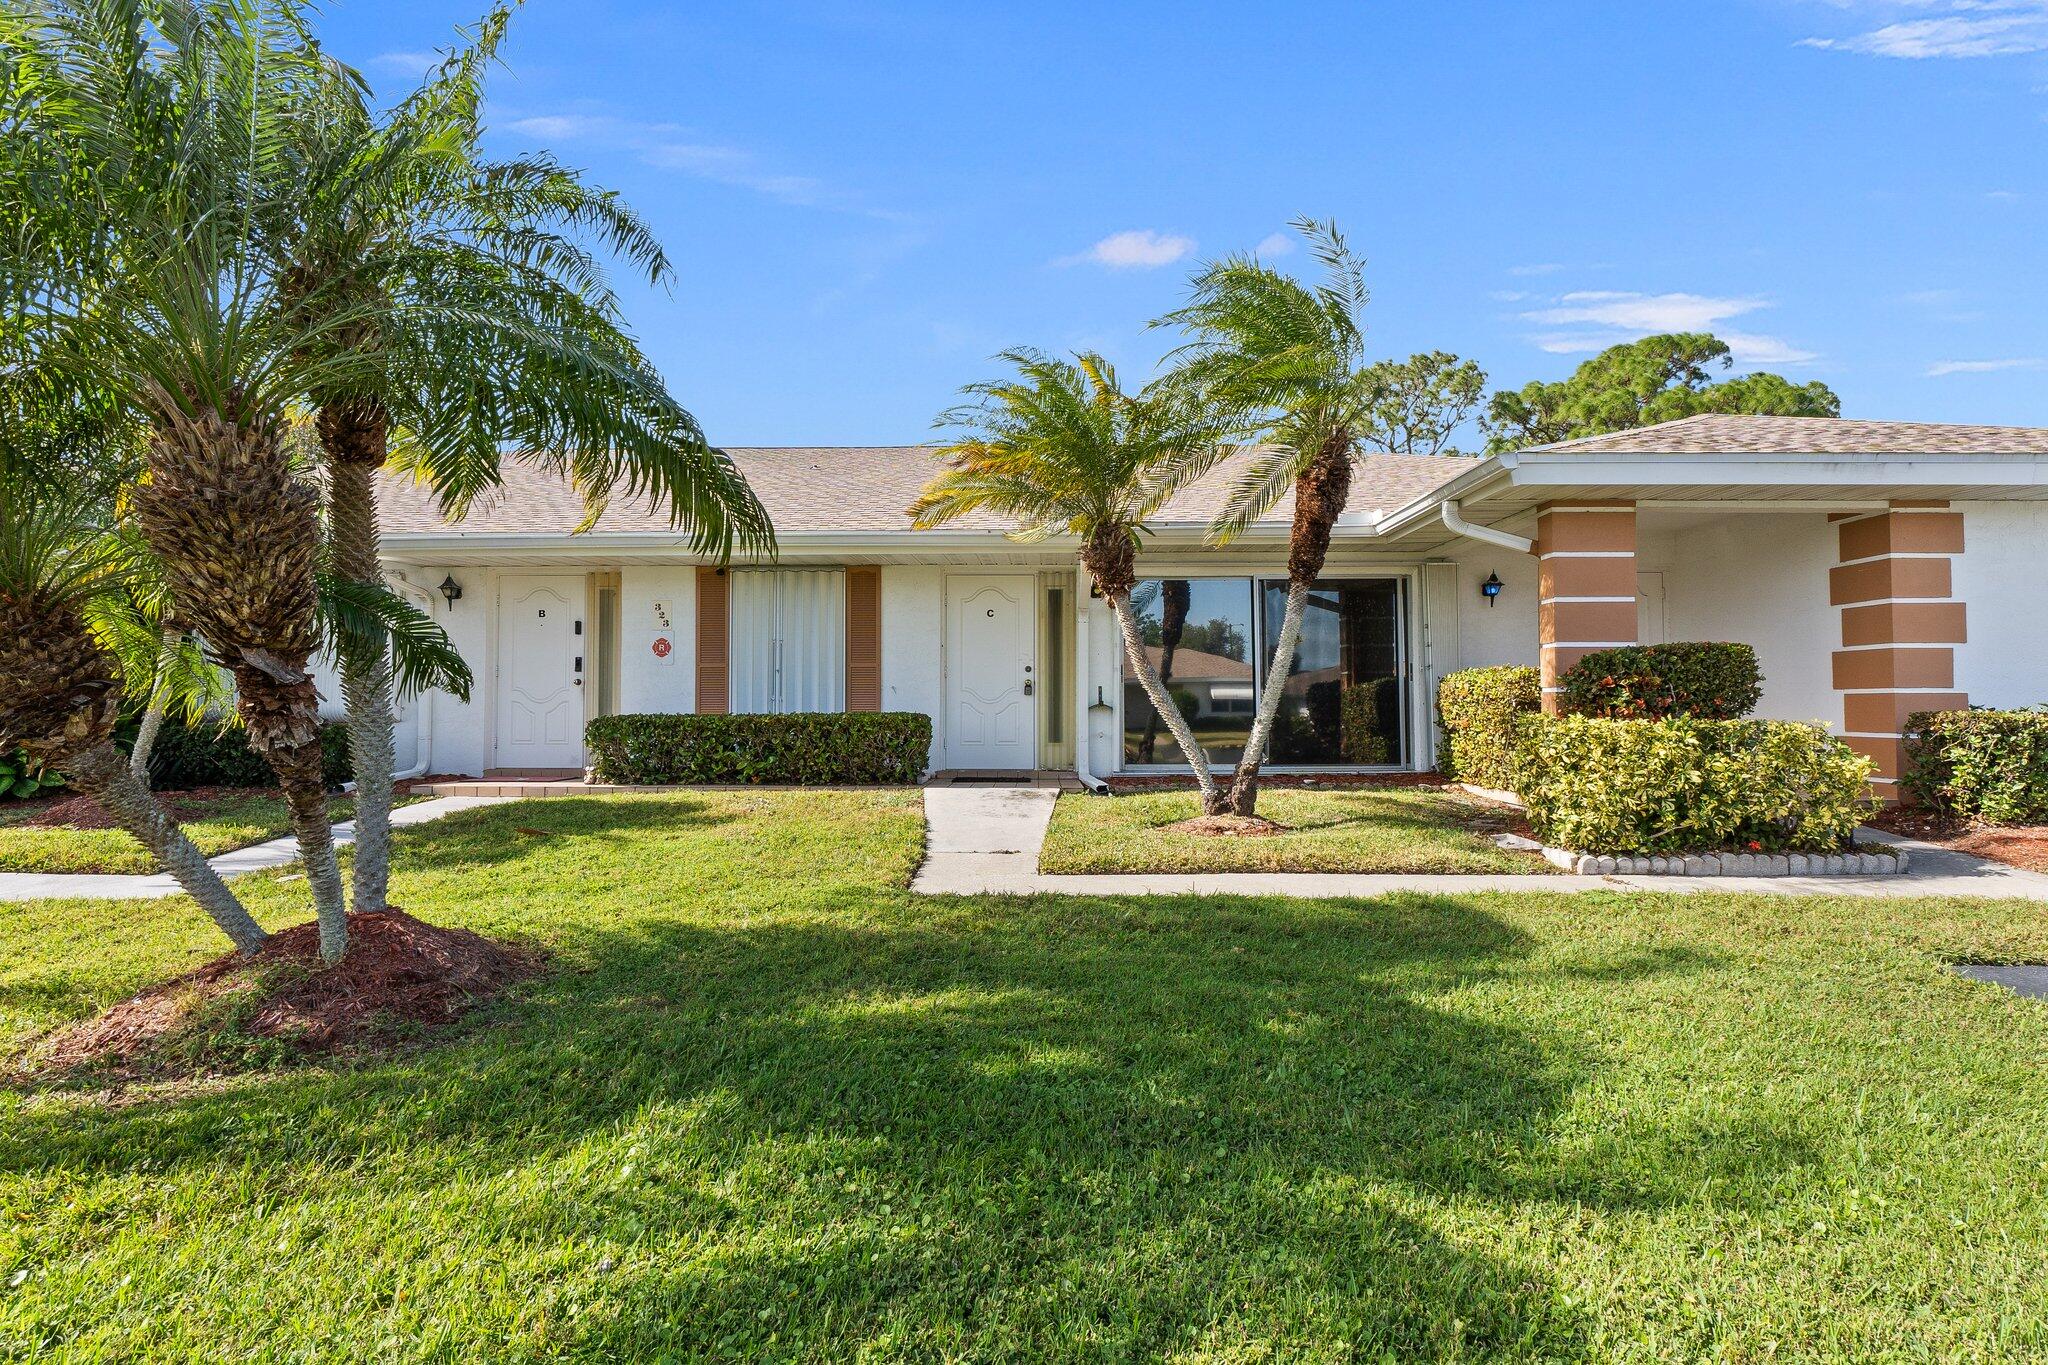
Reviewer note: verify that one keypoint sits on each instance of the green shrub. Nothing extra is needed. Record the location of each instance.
(1681, 785)
(1982, 764)
(207, 755)
(1708, 681)
(21, 779)
(1478, 711)
(800, 749)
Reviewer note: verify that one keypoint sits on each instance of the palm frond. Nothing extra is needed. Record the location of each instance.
(365, 621)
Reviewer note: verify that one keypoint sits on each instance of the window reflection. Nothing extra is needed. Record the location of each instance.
(1343, 700)
(1198, 632)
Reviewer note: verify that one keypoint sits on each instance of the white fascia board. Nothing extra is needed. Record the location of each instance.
(421, 546)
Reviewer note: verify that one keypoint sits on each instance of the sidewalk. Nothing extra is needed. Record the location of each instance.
(35, 886)
(986, 840)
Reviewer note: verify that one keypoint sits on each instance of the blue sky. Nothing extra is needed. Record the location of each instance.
(865, 201)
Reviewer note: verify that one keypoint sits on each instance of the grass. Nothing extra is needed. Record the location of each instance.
(1360, 829)
(770, 1106)
(220, 824)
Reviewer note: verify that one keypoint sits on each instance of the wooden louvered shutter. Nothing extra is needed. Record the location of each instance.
(864, 639)
(714, 687)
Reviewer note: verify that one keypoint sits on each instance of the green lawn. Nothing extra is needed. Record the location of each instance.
(217, 825)
(767, 1105)
(1359, 829)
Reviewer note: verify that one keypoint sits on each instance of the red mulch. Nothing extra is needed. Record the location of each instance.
(82, 812)
(1174, 781)
(399, 971)
(2021, 845)
(1229, 826)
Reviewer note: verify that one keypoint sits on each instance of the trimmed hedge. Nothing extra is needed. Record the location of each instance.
(1982, 764)
(1479, 711)
(812, 748)
(1682, 785)
(206, 755)
(1706, 680)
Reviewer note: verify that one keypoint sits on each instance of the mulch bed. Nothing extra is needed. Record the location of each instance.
(400, 975)
(2021, 845)
(82, 812)
(1146, 782)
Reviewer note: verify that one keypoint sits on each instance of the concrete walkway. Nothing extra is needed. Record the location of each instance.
(35, 886)
(986, 840)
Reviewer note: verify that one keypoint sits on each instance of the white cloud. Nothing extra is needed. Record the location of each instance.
(1508, 295)
(1543, 268)
(1645, 313)
(1137, 249)
(2001, 196)
(1625, 316)
(1945, 367)
(1274, 244)
(406, 63)
(1751, 349)
(667, 146)
(1967, 28)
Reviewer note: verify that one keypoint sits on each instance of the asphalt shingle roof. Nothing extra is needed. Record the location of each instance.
(843, 488)
(1734, 434)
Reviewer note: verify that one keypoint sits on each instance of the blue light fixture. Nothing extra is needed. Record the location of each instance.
(1490, 589)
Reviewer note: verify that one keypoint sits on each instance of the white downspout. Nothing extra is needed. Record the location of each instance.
(1456, 523)
(1082, 738)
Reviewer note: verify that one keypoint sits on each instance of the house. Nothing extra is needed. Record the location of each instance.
(1879, 568)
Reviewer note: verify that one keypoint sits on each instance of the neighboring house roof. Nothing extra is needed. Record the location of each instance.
(1199, 665)
(847, 488)
(1734, 434)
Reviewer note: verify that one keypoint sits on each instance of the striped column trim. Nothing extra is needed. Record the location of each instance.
(1894, 582)
(1586, 598)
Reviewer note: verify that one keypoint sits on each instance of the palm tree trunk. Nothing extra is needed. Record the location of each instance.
(238, 536)
(1148, 678)
(101, 774)
(354, 434)
(1320, 493)
(1243, 798)
(153, 714)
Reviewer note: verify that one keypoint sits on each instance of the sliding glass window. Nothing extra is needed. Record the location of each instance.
(1212, 640)
(1198, 633)
(1343, 703)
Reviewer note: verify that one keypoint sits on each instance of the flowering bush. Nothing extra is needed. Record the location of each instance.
(1710, 681)
(1983, 764)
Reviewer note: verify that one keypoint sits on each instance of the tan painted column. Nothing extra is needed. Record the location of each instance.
(1586, 598)
(1900, 626)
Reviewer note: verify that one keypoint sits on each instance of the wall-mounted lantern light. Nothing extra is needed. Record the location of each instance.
(1490, 589)
(451, 590)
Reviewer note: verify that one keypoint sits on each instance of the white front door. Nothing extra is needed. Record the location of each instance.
(991, 637)
(540, 688)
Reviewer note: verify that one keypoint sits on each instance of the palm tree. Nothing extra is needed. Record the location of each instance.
(65, 581)
(1062, 449)
(143, 138)
(468, 288)
(1288, 357)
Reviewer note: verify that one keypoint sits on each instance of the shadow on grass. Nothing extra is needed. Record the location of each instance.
(1013, 1128)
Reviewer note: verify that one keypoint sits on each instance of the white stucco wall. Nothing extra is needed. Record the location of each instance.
(459, 732)
(1504, 633)
(2005, 662)
(913, 646)
(1104, 693)
(646, 682)
(1762, 579)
